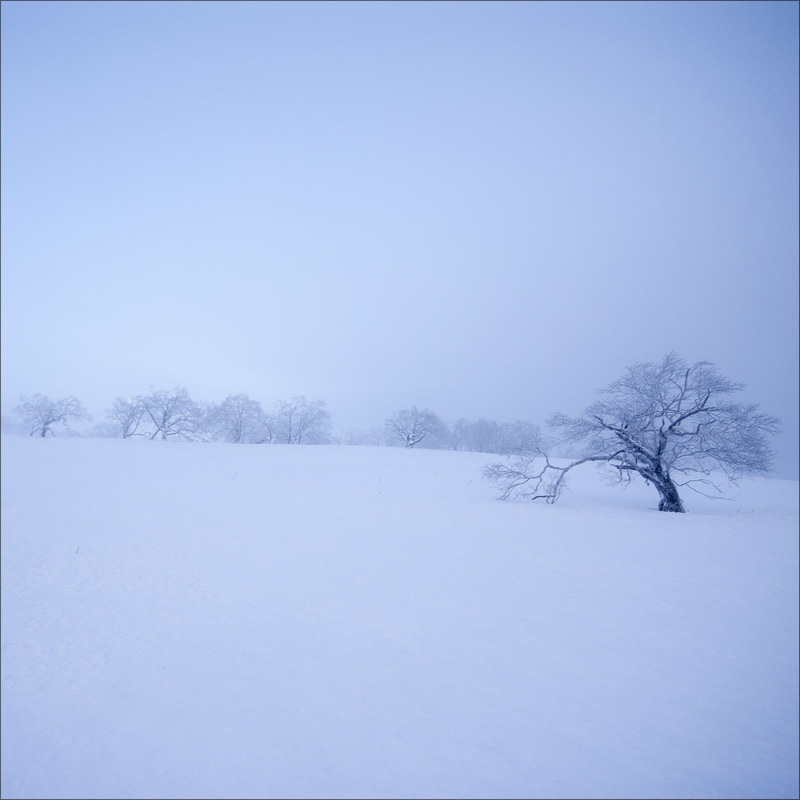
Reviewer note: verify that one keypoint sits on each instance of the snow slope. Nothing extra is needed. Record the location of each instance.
(201, 620)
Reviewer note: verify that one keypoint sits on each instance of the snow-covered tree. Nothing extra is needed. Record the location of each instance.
(297, 421)
(457, 434)
(237, 419)
(519, 437)
(411, 426)
(126, 418)
(670, 423)
(41, 413)
(172, 414)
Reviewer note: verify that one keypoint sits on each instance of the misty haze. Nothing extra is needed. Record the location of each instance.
(351, 353)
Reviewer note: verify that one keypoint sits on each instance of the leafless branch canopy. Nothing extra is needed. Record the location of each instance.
(411, 425)
(660, 421)
(238, 420)
(298, 421)
(172, 415)
(41, 413)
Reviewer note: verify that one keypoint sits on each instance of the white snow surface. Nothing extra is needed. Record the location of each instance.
(227, 621)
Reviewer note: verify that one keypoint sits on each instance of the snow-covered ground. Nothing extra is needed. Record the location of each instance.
(205, 620)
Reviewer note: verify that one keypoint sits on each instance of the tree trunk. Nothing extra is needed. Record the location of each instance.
(670, 499)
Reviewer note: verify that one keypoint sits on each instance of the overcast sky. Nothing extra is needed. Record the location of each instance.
(487, 209)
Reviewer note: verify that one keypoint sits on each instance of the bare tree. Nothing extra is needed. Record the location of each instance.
(457, 434)
(485, 436)
(41, 413)
(126, 417)
(237, 419)
(172, 414)
(297, 421)
(411, 426)
(670, 423)
(519, 437)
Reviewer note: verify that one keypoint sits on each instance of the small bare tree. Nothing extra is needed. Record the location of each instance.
(669, 423)
(485, 436)
(172, 414)
(410, 426)
(126, 417)
(238, 419)
(41, 413)
(457, 434)
(521, 437)
(297, 421)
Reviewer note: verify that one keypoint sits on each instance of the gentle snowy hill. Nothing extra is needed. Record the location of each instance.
(200, 620)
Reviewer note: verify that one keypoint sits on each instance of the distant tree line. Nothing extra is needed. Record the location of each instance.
(412, 427)
(172, 415)
(238, 419)
(670, 423)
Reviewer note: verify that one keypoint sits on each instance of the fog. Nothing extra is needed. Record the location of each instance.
(486, 209)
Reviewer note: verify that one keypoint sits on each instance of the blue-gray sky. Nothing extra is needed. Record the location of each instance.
(488, 209)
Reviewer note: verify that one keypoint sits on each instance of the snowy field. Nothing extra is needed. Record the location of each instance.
(223, 621)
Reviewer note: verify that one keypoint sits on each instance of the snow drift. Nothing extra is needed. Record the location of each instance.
(199, 620)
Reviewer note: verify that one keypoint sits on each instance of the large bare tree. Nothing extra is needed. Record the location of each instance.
(671, 423)
(41, 413)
